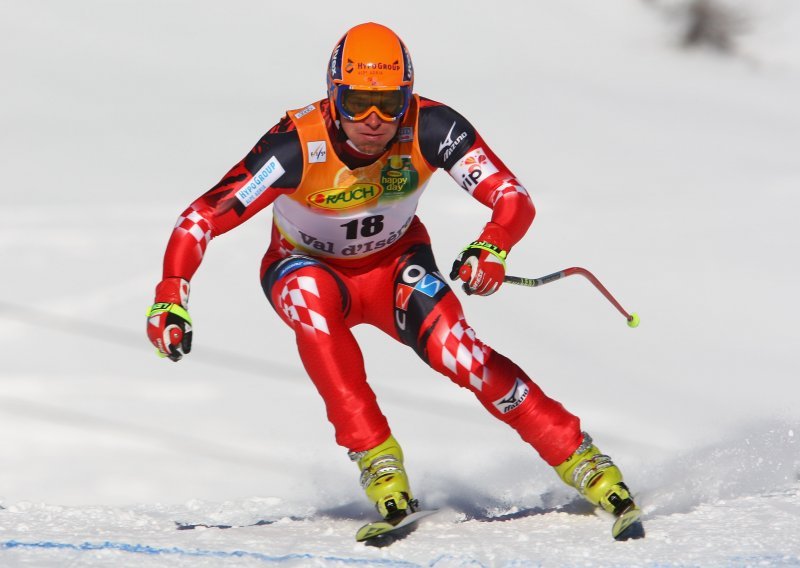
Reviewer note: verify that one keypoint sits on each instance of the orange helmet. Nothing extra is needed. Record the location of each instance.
(369, 71)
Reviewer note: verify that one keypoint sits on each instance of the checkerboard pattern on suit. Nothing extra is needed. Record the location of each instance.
(285, 248)
(296, 300)
(464, 354)
(505, 189)
(193, 223)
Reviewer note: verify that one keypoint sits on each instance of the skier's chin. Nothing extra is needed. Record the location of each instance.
(369, 147)
(369, 139)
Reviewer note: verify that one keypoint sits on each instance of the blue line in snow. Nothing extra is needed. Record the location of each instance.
(153, 551)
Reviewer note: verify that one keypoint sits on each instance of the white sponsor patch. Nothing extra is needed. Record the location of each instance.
(269, 173)
(304, 112)
(472, 169)
(513, 398)
(317, 151)
(405, 134)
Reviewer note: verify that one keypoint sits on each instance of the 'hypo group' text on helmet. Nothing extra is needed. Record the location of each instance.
(370, 71)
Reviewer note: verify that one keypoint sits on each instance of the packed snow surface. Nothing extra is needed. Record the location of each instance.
(670, 173)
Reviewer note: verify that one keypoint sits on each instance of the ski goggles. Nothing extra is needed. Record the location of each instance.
(357, 104)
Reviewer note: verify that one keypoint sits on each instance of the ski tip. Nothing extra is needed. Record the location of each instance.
(628, 525)
(386, 538)
(373, 530)
(383, 533)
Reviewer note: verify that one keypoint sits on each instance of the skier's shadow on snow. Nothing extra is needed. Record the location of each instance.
(484, 508)
(353, 510)
(572, 508)
(474, 505)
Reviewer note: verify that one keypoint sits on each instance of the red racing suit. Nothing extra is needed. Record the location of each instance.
(348, 249)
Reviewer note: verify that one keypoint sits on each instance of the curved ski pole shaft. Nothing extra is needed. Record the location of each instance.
(632, 318)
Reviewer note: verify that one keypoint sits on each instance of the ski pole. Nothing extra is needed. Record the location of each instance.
(633, 318)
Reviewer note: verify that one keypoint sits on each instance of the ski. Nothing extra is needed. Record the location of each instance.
(382, 533)
(628, 525)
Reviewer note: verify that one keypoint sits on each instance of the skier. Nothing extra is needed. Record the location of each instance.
(344, 175)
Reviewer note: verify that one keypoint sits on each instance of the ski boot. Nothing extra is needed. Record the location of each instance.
(384, 480)
(599, 481)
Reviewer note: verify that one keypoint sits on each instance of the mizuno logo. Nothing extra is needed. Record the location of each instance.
(515, 397)
(451, 144)
(448, 141)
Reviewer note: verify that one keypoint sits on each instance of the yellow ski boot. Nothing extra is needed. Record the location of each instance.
(599, 481)
(384, 480)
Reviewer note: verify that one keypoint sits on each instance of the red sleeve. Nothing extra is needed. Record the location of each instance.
(487, 179)
(272, 168)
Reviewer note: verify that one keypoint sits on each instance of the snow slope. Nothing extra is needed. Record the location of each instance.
(672, 175)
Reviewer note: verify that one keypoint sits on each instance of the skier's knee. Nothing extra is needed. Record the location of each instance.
(301, 289)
